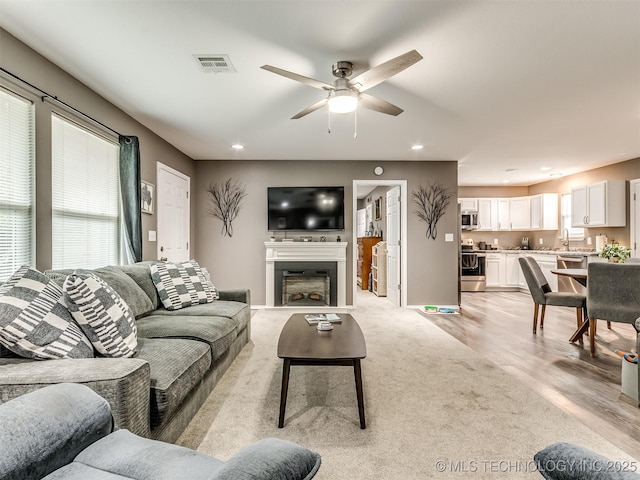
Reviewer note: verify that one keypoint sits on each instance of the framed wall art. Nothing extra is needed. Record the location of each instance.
(147, 194)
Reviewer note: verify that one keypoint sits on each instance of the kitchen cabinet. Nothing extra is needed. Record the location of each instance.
(514, 213)
(600, 204)
(513, 272)
(468, 204)
(494, 269)
(544, 211)
(487, 214)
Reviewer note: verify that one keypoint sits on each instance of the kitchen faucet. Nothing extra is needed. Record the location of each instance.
(565, 237)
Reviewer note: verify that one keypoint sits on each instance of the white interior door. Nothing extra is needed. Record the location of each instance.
(634, 199)
(393, 245)
(173, 193)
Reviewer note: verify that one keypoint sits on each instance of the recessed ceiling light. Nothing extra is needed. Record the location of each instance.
(417, 147)
(545, 169)
(506, 181)
(237, 146)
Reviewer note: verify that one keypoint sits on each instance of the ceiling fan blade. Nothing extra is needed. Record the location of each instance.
(299, 78)
(310, 109)
(379, 74)
(379, 105)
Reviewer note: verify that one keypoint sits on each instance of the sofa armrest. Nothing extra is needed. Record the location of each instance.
(270, 459)
(45, 429)
(238, 295)
(124, 382)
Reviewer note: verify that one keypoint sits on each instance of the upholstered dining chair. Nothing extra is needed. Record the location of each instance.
(543, 295)
(613, 294)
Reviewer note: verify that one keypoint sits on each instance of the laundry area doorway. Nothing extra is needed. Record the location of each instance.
(380, 217)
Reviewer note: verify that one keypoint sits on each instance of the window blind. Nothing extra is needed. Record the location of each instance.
(85, 197)
(17, 167)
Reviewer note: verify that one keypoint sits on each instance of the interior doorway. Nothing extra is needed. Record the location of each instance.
(173, 226)
(399, 235)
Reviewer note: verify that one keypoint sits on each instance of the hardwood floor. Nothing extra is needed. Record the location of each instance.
(498, 325)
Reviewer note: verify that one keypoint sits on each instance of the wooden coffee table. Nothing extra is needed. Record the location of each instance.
(301, 344)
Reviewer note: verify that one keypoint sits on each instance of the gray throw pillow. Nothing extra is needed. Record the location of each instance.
(180, 285)
(102, 314)
(34, 323)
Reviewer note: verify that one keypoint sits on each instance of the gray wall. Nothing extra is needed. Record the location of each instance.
(239, 261)
(22, 61)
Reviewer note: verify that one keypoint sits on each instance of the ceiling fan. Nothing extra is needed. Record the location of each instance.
(346, 94)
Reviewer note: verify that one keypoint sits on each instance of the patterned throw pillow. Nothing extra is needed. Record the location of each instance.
(34, 323)
(207, 277)
(102, 314)
(180, 285)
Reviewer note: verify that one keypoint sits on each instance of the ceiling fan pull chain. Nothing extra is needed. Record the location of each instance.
(329, 130)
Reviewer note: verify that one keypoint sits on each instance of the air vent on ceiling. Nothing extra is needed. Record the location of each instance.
(215, 63)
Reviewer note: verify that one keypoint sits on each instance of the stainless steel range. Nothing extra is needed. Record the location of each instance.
(472, 270)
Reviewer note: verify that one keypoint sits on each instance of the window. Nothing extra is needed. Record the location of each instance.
(17, 164)
(575, 233)
(85, 197)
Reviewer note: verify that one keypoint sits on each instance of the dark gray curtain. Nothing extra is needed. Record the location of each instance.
(130, 188)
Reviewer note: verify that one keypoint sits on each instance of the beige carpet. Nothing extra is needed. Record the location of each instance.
(428, 399)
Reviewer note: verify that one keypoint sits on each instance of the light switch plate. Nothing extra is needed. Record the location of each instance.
(448, 237)
(152, 235)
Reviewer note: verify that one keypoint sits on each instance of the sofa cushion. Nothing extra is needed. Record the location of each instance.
(127, 287)
(176, 366)
(239, 312)
(34, 323)
(180, 285)
(141, 275)
(131, 456)
(101, 313)
(217, 332)
(80, 471)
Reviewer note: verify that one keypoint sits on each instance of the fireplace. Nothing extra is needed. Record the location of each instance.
(305, 284)
(327, 259)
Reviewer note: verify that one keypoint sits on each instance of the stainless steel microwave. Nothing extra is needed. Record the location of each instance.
(469, 220)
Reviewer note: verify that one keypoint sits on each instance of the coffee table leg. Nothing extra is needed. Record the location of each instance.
(283, 392)
(358, 374)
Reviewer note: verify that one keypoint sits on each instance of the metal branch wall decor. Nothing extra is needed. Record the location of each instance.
(226, 199)
(431, 203)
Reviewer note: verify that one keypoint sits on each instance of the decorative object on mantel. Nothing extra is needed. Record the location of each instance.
(146, 197)
(431, 203)
(226, 199)
(615, 253)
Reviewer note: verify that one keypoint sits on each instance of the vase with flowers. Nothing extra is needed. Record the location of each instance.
(615, 253)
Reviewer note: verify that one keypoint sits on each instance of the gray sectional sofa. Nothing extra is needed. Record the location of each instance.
(78, 443)
(180, 357)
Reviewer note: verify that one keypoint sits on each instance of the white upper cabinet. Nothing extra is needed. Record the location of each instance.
(514, 213)
(468, 204)
(488, 214)
(544, 211)
(520, 210)
(600, 204)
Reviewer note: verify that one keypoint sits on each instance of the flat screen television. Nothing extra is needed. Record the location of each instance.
(305, 208)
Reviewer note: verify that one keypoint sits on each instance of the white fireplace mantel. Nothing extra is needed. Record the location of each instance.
(307, 252)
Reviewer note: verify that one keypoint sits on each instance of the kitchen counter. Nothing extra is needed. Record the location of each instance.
(539, 252)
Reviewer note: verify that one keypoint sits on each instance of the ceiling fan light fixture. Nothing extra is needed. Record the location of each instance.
(343, 101)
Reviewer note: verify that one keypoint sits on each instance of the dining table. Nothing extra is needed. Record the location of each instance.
(580, 276)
